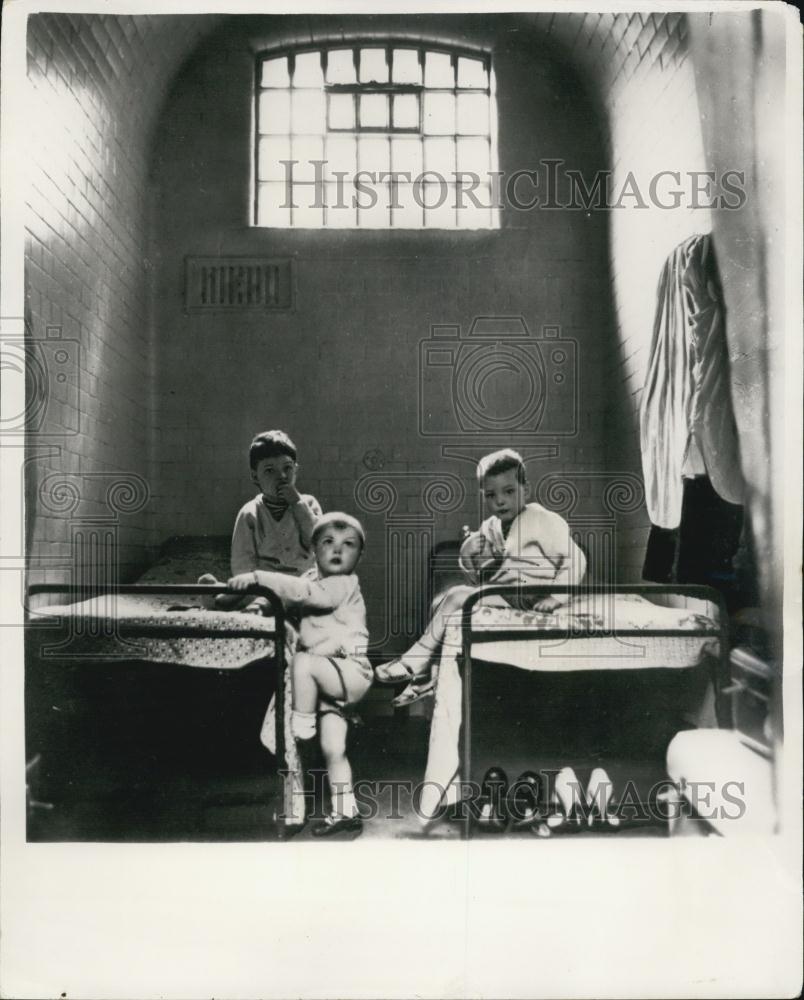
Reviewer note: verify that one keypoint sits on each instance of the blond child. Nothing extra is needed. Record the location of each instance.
(518, 543)
(329, 669)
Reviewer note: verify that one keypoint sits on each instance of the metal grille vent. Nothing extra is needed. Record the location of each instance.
(214, 284)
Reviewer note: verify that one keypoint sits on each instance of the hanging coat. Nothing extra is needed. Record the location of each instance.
(686, 414)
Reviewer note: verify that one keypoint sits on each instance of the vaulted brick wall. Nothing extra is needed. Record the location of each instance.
(95, 87)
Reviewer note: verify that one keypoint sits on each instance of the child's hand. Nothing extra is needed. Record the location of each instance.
(241, 582)
(474, 546)
(288, 493)
(547, 604)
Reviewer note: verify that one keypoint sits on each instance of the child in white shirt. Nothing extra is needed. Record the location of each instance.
(330, 669)
(519, 542)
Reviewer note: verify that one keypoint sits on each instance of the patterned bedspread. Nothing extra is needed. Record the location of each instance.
(92, 630)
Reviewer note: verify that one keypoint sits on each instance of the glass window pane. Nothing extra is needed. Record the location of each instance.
(341, 111)
(374, 111)
(473, 154)
(309, 107)
(409, 214)
(272, 206)
(309, 206)
(438, 70)
(378, 214)
(471, 215)
(270, 156)
(471, 73)
(406, 111)
(308, 70)
(275, 73)
(439, 206)
(274, 111)
(406, 155)
(306, 149)
(341, 155)
(473, 114)
(406, 66)
(340, 66)
(341, 212)
(439, 156)
(373, 66)
(439, 114)
(374, 154)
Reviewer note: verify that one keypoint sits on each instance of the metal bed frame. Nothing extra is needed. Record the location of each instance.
(470, 636)
(177, 631)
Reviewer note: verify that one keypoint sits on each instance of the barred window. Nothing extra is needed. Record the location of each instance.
(375, 137)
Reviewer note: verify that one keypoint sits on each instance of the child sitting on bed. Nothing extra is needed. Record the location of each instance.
(519, 542)
(329, 670)
(274, 530)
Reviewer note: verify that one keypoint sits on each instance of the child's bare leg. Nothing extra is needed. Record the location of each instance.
(417, 660)
(314, 676)
(333, 733)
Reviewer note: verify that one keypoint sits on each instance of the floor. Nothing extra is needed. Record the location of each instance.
(125, 752)
(237, 800)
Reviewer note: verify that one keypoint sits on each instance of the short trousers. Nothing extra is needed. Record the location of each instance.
(356, 669)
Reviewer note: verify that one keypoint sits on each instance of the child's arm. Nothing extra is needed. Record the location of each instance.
(298, 591)
(305, 512)
(244, 545)
(554, 558)
(476, 557)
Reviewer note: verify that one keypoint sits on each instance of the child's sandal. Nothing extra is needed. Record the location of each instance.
(395, 672)
(413, 693)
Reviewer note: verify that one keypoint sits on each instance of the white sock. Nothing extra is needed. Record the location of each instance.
(302, 725)
(343, 801)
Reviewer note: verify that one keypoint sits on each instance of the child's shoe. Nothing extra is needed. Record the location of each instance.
(395, 672)
(334, 823)
(414, 692)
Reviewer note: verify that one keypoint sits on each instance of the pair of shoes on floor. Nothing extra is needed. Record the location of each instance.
(334, 824)
(567, 813)
(525, 806)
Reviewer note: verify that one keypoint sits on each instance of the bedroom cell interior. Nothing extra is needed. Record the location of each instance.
(177, 306)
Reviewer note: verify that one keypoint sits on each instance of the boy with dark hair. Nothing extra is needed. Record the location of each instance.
(519, 542)
(274, 530)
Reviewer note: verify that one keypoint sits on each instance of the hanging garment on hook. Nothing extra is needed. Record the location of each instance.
(687, 425)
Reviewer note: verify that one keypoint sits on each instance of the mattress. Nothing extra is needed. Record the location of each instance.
(94, 628)
(105, 628)
(594, 632)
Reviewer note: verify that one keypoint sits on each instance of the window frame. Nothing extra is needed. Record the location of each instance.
(388, 45)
